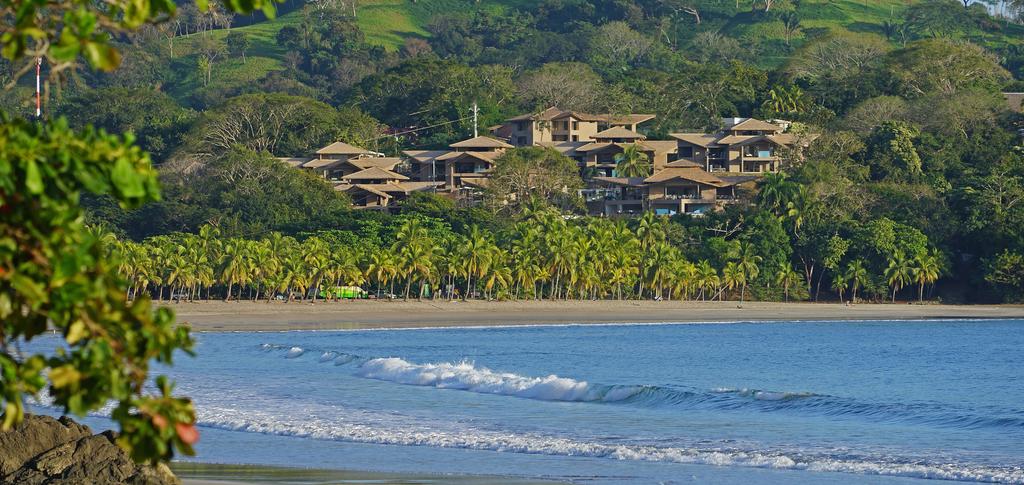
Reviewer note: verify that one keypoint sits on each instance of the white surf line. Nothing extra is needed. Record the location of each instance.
(620, 324)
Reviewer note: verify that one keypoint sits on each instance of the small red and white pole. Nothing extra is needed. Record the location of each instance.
(39, 104)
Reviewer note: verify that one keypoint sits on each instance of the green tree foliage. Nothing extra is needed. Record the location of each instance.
(1006, 272)
(632, 162)
(156, 120)
(891, 154)
(238, 44)
(945, 67)
(531, 175)
(250, 193)
(278, 124)
(54, 273)
(432, 92)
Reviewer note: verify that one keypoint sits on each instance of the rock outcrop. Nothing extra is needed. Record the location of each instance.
(47, 451)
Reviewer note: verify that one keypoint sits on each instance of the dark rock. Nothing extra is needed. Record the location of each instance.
(47, 451)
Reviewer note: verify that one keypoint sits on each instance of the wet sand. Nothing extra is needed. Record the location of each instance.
(369, 314)
(210, 474)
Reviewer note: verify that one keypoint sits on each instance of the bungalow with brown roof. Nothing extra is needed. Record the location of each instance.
(745, 145)
(464, 165)
(379, 188)
(555, 125)
(671, 190)
(371, 180)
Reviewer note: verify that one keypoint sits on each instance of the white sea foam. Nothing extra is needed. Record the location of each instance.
(294, 352)
(416, 433)
(468, 377)
(328, 356)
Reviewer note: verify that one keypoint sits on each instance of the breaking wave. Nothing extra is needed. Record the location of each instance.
(418, 434)
(467, 376)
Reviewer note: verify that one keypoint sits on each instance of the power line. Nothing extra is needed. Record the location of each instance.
(414, 130)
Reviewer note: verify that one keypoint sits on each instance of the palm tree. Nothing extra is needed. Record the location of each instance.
(382, 268)
(839, 282)
(774, 192)
(927, 269)
(418, 260)
(414, 250)
(856, 274)
(317, 256)
(707, 278)
(786, 277)
(474, 256)
(233, 265)
(898, 273)
(732, 277)
(632, 162)
(747, 260)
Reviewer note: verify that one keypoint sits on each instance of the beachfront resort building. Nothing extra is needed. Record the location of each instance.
(745, 145)
(467, 165)
(692, 173)
(557, 125)
(371, 180)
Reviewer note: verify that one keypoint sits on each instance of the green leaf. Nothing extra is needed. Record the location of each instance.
(127, 179)
(64, 376)
(33, 181)
(76, 332)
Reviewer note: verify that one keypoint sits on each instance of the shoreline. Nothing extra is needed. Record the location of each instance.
(198, 473)
(247, 316)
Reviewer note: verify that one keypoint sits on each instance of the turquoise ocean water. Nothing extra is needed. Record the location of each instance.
(810, 402)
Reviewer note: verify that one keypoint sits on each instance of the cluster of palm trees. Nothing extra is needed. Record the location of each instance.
(922, 269)
(544, 256)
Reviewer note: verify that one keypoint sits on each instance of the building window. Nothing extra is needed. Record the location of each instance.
(520, 126)
(560, 138)
(575, 125)
(682, 192)
(521, 141)
(685, 152)
(575, 138)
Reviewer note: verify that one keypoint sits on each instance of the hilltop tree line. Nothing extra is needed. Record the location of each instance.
(913, 126)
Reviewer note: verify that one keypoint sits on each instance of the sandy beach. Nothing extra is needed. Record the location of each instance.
(192, 473)
(368, 314)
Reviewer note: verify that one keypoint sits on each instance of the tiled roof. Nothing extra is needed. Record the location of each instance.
(618, 132)
(375, 173)
(424, 156)
(481, 142)
(387, 163)
(342, 148)
(687, 173)
(294, 161)
(700, 139)
(753, 124)
(485, 156)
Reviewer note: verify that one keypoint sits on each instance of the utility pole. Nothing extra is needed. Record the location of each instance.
(476, 111)
(39, 104)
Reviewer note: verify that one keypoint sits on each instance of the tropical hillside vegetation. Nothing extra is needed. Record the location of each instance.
(919, 163)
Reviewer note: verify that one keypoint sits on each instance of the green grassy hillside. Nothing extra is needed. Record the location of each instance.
(389, 23)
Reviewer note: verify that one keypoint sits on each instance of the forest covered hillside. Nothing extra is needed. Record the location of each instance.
(916, 151)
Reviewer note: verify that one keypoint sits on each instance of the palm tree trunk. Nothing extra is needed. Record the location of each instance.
(920, 293)
(228, 297)
(408, 286)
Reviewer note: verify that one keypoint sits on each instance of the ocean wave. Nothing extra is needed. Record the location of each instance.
(418, 434)
(467, 376)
